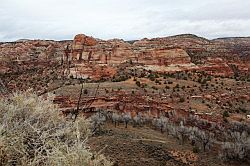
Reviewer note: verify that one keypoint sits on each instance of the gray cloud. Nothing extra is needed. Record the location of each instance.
(127, 19)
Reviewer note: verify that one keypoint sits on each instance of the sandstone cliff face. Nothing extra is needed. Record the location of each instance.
(89, 53)
(32, 49)
(95, 58)
(163, 57)
(90, 50)
(231, 52)
(198, 48)
(223, 57)
(82, 39)
(118, 51)
(29, 51)
(79, 43)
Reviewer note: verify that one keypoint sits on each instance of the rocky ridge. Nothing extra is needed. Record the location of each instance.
(88, 57)
(223, 57)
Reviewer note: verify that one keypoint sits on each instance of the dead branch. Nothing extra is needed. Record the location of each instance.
(86, 106)
(76, 112)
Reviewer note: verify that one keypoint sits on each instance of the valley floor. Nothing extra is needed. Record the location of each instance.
(144, 146)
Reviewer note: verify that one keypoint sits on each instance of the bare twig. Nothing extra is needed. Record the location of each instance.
(87, 103)
(92, 101)
(76, 112)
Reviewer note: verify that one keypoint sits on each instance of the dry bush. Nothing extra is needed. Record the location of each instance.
(205, 139)
(241, 127)
(238, 149)
(126, 118)
(183, 133)
(137, 120)
(161, 123)
(97, 121)
(115, 118)
(33, 133)
(235, 151)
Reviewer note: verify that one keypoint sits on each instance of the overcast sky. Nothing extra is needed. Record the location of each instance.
(126, 19)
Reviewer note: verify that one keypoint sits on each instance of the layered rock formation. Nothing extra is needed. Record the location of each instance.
(86, 56)
(80, 44)
(233, 53)
(29, 51)
(163, 57)
(183, 52)
(88, 53)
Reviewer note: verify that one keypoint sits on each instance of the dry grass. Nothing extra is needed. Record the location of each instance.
(33, 133)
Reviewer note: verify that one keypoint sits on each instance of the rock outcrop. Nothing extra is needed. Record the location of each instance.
(234, 53)
(93, 52)
(86, 56)
(29, 51)
(163, 57)
(81, 44)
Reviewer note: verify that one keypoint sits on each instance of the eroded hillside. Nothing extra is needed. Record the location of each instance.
(181, 87)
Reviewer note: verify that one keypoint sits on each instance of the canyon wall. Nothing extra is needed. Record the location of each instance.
(87, 56)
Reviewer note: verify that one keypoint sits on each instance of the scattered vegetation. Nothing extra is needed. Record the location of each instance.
(32, 132)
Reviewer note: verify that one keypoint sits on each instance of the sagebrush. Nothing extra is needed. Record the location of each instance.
(32, 132)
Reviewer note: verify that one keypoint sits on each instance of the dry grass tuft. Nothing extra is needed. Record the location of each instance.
(33, 133)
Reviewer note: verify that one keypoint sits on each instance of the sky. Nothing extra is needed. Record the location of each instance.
(125, 19)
